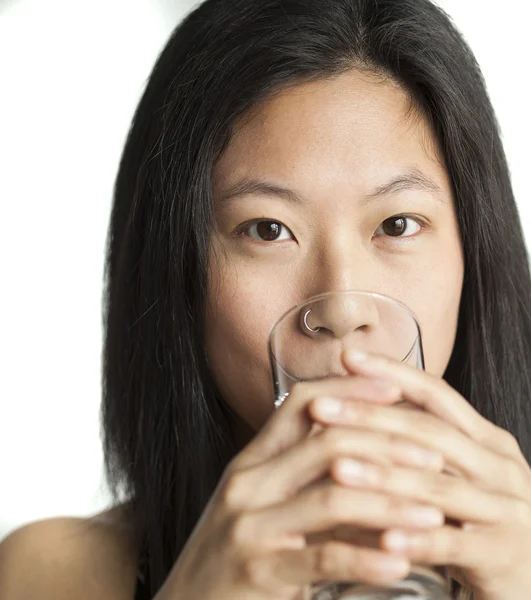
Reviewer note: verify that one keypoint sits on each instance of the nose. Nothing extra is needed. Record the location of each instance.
(340, 316)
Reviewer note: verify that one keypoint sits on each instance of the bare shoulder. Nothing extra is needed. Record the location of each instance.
(69, 558)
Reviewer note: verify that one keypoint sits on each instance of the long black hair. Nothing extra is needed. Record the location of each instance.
(166, 430)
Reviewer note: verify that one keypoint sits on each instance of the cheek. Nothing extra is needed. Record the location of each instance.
(437, 308)
(242, 310)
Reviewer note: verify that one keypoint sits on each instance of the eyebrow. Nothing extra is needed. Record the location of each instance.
(412, 179)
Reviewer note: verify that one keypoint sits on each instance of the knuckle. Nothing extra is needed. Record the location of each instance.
(237, 464)
(327, 559)
(395, 442)
(240, 531)
(433, 390)
(427, 423)
(395, 506)
(385, 474)
(232, 468)
(254, 572)
(332, 441)
(443, 546)
(441, 387)
(508, 442)
(485, 435)
(330, 498)
(434, 428)
(432, 549)
(453, 550)
(440, 487)
(513, 475)
(365, 413)
(522, 512)
(301, 389)
(234, 490)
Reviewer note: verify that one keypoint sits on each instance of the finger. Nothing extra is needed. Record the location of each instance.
(468, 457)
(291, 422)
(328, 505)
(284, 475)
(336, 561)
(456, 497)
(438, 397)
(432, 394)
(449, 546)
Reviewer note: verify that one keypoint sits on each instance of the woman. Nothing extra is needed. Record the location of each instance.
(284, 148)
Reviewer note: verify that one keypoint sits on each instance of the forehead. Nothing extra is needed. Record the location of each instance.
(354, 127)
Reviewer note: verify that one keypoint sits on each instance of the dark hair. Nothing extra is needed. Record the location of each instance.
(166, 430)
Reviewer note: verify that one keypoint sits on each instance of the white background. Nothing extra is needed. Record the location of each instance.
(71, 73)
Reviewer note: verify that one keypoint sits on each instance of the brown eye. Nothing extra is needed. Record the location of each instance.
(395, 226)
(400, 226)
(268, 231)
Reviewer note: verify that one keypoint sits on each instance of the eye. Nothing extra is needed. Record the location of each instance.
(399, 226)
(266, 231)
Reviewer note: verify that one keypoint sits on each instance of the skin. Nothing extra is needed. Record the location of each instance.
(333, 143)
(275, 521)
(70, 559)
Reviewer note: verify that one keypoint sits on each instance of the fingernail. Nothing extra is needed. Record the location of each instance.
(425, 458)
(354, 471)
(357, 356)
(393, 565)
(396, 540)
(386, 387)
(424, 516)
(328, 407)
(383, 384)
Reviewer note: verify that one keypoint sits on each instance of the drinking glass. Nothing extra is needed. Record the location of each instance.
(306, 344)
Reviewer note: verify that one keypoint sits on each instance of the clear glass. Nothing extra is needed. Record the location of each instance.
(306, 345)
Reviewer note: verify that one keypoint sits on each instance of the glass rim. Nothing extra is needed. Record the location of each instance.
(323, 296)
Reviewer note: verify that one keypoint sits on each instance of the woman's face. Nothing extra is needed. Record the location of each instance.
(305, 196)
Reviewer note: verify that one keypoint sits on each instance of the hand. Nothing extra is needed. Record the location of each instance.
(490, 497)
(252, 540)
